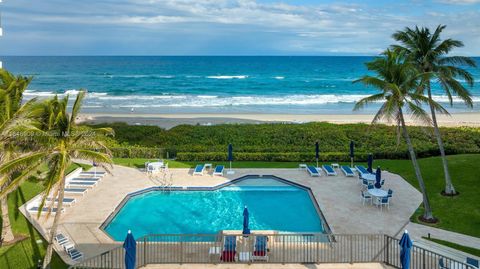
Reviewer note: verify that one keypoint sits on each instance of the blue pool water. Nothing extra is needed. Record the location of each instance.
(273, 205)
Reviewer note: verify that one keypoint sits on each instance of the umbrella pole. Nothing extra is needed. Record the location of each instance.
(230, 165)
(351, 159)
(317, 162)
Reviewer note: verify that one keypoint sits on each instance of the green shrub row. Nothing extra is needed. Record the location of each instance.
(293, 142)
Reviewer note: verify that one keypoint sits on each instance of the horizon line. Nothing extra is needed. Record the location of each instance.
(206, 55)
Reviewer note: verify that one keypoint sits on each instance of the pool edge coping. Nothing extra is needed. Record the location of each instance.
(128, 196)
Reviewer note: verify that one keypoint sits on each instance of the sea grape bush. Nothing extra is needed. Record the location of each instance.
(284, 142)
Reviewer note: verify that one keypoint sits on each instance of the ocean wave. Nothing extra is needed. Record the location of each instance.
(279, 77)
(229, 77)
(185, 100)
(141, 76)
(216, 101)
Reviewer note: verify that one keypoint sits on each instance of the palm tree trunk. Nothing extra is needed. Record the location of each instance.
(427, 214)
(53, 230)
(449, 189)
(7, 233)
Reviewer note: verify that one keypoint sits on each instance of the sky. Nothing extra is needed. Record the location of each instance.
(226, 27)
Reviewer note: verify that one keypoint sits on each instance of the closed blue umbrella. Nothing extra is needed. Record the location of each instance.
(378, 178)
(370, 163)
(246, 230)
(130, 247)
(406, 244)
(230, 155)
(351, 152)
(317, 152)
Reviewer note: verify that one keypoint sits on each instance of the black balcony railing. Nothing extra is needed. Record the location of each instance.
(280, 248)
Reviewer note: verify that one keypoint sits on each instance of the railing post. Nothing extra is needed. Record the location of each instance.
(351, 249)
(111, 259)
(318, 249)
(181, 252)
(387, 258)
(283, 249)
(423, 258)
(144, 251)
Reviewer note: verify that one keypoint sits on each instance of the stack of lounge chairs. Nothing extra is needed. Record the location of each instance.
(75, 187)
(201, 168)
(68, 246)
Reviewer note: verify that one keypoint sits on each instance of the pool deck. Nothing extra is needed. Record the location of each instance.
(338, 197)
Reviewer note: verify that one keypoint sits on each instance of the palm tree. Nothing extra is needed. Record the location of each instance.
(397, 81)
(429, 54)
(59, 140)
(12, 112)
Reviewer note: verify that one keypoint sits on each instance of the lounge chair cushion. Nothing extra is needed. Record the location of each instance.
(312, 170)
(260, 246)
(471, 261)
(259, 253)
(199, 168)
(347, 170)
(218, 169)
(86, 179)
(329, 168)
(228, 256)
(230, 243)
(84, 183)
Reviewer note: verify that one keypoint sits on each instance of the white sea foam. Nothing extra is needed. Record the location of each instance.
(183, 100)
(278, 77)
(228, 77)
(32, 94)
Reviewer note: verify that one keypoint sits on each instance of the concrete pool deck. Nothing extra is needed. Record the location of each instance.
(337, 196)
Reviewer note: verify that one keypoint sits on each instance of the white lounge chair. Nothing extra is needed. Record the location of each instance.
(85, 179)
(347, 171)
(312, 170)
(329, 170)
(75, 254)
(75, 191)
(89, 184)
(61, 239)
(66, 201)
(199, 169)
(44, 210)
(218, 170)
(92, 174)
(361, 169)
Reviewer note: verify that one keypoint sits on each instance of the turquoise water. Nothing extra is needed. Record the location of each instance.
(273, 205)
(305, 85)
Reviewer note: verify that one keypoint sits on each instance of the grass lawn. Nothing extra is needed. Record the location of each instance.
(473, 251)
(459, 214)
(26, 253)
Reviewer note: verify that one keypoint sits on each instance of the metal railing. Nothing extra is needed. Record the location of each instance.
(280, 248)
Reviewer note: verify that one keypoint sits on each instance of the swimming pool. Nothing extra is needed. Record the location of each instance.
(273, 204)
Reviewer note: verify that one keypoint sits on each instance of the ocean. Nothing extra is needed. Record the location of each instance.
(222, 85)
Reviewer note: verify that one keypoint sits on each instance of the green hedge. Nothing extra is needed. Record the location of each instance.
(283, 142)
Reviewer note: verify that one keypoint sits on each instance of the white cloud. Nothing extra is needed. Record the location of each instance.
(275, 27)
(460, 2)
